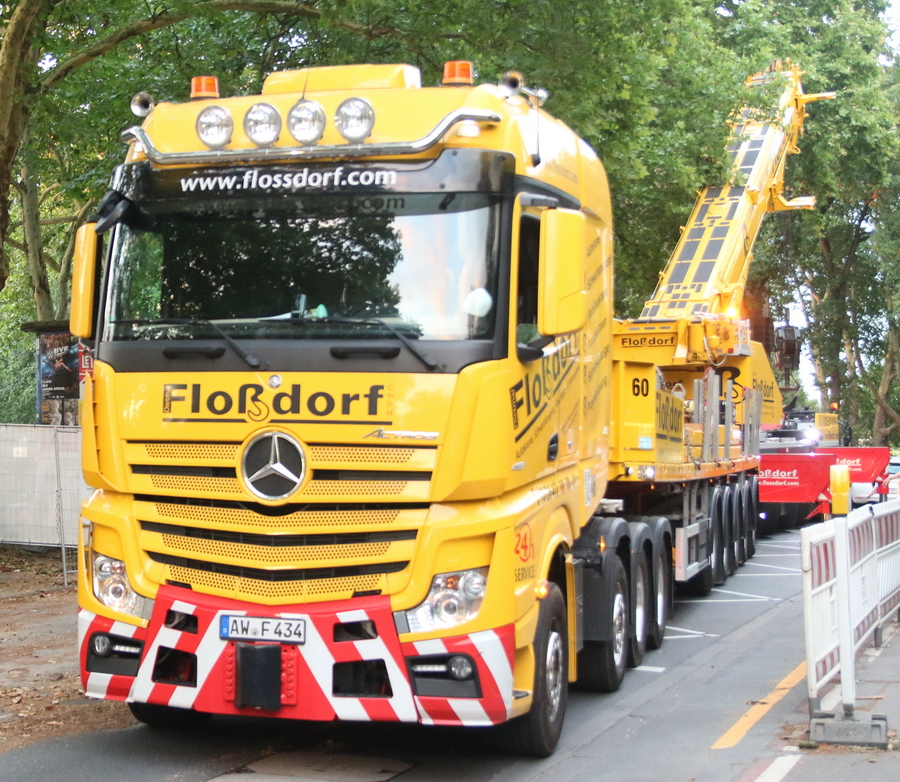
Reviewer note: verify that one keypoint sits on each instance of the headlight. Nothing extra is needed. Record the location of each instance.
(355, 119)
(454, 598)
(112, 587)
(215, 126)
(306, 121)
(262, 124)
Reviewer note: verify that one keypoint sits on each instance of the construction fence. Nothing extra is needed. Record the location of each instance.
(851, 589)
(41, 486)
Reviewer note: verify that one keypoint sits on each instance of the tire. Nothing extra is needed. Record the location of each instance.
(740, 524)
(168, 717)
(601, 664)
(717, 549)
(663, 604)
(751, 511)
(537, 732)
(730, 527)
(642, 613)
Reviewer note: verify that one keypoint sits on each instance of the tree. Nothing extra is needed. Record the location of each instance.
(650, 85)
(826, 258)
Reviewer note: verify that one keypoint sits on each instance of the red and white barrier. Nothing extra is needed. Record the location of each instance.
(851, 585)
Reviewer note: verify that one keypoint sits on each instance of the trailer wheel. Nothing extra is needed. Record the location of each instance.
(740, 525)
(642, 614)
(663, 583)
(537, 732)
(601, 664)
(168, 717)
(717, 552)
(751, 511)
(730, 526)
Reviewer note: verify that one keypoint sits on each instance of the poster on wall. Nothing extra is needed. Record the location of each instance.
(58, 386)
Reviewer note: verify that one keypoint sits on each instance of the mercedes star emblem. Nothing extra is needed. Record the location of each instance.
(273, 465)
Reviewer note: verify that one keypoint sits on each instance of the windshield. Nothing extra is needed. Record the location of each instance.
(300, 267)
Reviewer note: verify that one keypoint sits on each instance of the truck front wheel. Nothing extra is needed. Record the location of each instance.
(537, 732)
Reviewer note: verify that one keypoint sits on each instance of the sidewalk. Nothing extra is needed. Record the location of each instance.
(877, 692)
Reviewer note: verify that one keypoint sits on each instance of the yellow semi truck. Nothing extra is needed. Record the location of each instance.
(367, 440)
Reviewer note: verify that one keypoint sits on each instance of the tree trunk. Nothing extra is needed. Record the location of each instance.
(15, 51)
(37, 271)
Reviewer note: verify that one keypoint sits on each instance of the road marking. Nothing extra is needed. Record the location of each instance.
(650, 669)
(744, 594)
(784, 546)
(766, 575)
(687, 633)
(741, 597)
(725, 600)
(758, 710)
(779, 768)
(774, 567)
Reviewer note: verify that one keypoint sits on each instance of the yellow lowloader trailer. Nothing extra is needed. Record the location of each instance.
(367, 441)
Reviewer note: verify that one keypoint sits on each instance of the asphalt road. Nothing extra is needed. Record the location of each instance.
(722, 654)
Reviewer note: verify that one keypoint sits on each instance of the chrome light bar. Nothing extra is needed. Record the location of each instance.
(136, 133)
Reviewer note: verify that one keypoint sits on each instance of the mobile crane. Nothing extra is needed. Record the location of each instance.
(367, 440)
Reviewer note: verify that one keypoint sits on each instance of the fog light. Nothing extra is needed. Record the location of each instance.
(101, 645)
(460, 667)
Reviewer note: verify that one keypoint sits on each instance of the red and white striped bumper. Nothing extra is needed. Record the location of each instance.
(307, 689)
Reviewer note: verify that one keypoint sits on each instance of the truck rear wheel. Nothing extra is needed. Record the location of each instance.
(601, 664)
(643, 611)
(168, 717)
(537, 732)
(663, 583)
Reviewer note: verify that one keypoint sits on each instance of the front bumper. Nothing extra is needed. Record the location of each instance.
(351, 667)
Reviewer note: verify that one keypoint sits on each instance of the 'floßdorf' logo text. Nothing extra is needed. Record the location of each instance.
(254, 402)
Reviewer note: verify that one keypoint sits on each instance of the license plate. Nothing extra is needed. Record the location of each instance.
(258, 628)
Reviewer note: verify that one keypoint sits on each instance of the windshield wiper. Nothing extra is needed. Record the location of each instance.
(251, 361)
(427, 360)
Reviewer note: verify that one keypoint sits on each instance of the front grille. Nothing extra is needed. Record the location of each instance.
(273, 592)
(232, 514)
(352, 472)
(350, 530)
(279, 550)
(280, 554)
(285, 574)
(275, 541)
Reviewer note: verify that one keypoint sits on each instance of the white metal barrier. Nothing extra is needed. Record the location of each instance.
(41, 486)
(851, 586)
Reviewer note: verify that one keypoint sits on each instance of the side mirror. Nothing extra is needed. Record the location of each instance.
(562, 299)
(84, 270)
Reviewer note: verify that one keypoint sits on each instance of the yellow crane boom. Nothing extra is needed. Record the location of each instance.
(707, 272)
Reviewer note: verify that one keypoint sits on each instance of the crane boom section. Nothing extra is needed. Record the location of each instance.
(707, 271)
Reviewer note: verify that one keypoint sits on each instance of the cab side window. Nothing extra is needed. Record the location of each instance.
(527, 296)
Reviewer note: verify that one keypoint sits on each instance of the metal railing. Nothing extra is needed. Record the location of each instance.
(851, 587)
(41, 487)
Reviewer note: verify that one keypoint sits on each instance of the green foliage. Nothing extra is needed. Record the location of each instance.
(650, 85)
(18, 372)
